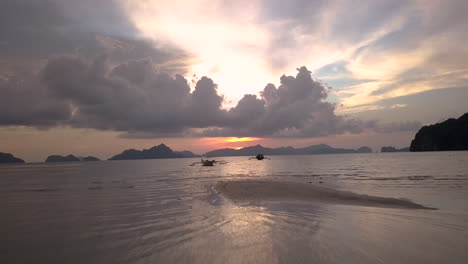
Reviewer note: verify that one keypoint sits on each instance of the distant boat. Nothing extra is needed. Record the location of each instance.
(259, 157)
(207, 162)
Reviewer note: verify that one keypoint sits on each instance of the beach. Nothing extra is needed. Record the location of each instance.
(349, 208)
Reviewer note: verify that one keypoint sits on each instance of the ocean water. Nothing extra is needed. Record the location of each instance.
(166, 211)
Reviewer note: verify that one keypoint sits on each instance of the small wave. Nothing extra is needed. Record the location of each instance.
(38, 190)
(411, 178)
(451, 179)
(419, 177)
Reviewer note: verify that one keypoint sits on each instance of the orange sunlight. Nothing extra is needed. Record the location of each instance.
(241, 139)
(212, 143)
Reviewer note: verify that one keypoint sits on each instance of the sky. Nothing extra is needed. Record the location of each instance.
(97, 77)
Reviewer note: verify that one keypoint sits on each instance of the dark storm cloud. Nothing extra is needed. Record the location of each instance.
(132, 96)
(26, 26)
(25, 101)
(136, 98)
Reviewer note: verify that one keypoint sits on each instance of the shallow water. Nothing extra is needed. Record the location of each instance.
(165, 211)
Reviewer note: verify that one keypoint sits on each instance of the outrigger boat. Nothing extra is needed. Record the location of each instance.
(208, 162)
(259, 157)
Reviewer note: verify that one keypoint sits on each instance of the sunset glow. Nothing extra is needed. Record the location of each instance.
(242, 139)
(204, 75)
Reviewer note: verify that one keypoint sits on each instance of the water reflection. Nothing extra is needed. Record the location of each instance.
(164, 211)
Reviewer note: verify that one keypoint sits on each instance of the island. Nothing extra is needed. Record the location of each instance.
(90, 158)
(393, 149)
(9, 158)
(364, 149)
(58, 158)
(157, 152)
(314, 149)
(452, 134)
(70, 158)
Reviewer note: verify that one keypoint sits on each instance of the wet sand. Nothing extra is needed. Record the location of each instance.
(258, 191)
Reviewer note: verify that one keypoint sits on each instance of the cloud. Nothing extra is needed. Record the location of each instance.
(407, 126)
(33, 31)
(394, 48)
(222, 35)
(25, 101)
(295, 108)
(85, 64)
(395, 106)
(413, 58)
(132, 96)
(139, 100)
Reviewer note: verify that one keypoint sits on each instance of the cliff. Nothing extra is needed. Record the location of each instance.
(451, 134)
(157, 152)
(8, 158)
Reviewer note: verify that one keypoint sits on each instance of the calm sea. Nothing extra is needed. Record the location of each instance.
(166, 211)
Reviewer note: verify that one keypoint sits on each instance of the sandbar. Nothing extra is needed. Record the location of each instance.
(259, 191)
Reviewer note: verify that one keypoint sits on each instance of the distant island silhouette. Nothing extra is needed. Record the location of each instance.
(90, 158)
(9, 158)
(393, 149)
(364, 149)
(314, 149)
(58, 158)
(451, 134)
(157, 152)
(69, 158)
